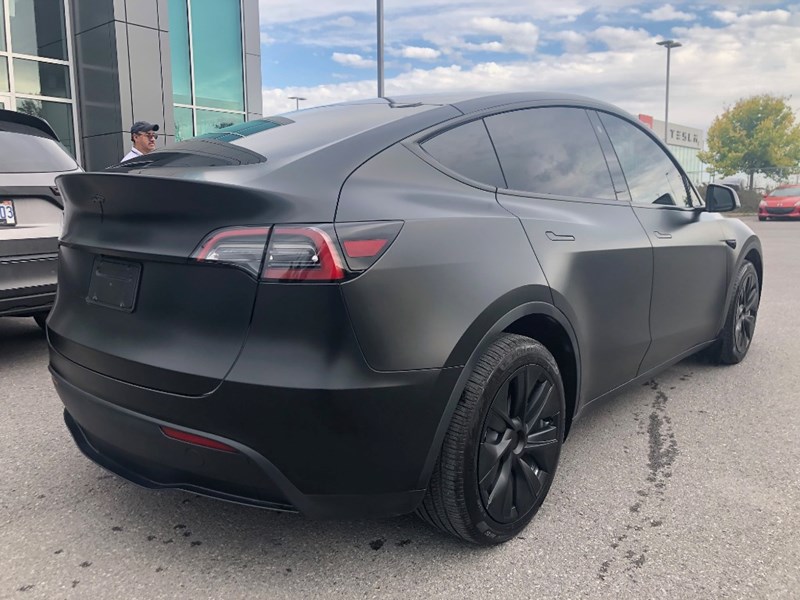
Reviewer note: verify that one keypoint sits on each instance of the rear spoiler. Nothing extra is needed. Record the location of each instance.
(23, 123)
(195, 152)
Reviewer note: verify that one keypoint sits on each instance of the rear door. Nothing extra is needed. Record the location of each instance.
(689, 252)
(591, 247)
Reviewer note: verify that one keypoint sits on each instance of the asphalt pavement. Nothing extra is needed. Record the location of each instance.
(687, 487)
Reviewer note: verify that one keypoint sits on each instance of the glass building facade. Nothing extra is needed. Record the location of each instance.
(93, 67)
(207, 66)
(35, 64)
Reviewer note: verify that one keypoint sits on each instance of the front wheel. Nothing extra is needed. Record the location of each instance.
(501, 451)
(740, 322)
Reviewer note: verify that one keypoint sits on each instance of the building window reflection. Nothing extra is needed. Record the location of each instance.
(207, 65)
(35, 72)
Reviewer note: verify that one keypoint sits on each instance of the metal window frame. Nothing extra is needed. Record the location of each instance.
(12, 95)
(194, 107)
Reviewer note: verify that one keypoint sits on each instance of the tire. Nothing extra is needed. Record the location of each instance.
(740, 322)
(41, 319)
(762, 218)
(501, 451)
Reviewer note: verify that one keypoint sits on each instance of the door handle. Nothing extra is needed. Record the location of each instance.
(663, 236)
(559, 237)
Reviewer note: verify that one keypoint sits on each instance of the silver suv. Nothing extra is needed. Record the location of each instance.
(30, 214)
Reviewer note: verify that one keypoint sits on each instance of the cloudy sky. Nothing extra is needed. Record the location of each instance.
(325, 51)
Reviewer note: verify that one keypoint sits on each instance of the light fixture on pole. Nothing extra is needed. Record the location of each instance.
(297, 101)
(669, 45)
(380, 48)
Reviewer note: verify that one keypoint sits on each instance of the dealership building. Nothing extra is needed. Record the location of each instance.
(684, 143)
(93, 67)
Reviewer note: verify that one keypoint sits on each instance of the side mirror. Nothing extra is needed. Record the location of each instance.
(721, 198)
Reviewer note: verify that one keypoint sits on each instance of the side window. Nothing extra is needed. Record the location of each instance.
(652, 176)
(551, 151)
(467, 150)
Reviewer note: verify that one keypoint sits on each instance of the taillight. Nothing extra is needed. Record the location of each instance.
(315, 253)
(365, 243)
(303, 253)
(240, 246)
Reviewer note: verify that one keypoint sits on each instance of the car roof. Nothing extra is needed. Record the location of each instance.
(18, 122)
(474, 101)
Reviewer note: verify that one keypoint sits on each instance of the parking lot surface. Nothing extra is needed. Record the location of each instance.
(686, 487)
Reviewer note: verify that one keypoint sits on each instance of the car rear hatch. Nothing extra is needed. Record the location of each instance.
(30, 211)
(132, 302)
(138, 300)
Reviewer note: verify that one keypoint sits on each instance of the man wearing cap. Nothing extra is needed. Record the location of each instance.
(143, 136)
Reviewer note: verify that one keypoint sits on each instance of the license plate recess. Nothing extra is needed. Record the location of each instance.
(114, 284)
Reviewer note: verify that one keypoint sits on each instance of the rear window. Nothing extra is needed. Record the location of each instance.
(785, 192)
(32, 154)
(241, 130)
(314, 128)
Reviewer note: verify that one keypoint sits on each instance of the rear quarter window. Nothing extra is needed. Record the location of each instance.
(24, 153)
(468, 151)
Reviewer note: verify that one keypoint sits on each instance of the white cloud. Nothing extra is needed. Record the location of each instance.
(668, 13)
(353, 60)
(265, 39)
(416, 52)
(515, 37)
(734, 54)
(346, 22)
(572, 40)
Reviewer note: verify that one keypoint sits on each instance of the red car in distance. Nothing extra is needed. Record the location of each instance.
(783, 203)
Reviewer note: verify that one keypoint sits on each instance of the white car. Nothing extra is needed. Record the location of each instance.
(30, 214)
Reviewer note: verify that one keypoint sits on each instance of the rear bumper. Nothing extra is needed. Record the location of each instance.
(343, 454)
(27, 284)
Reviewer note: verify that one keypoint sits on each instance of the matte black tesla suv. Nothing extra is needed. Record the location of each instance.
(379, 307)
(30, 214)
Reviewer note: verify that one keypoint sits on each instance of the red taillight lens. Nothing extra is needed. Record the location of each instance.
(303, 253)
(197, 440)
(240, 246)
(365, 243)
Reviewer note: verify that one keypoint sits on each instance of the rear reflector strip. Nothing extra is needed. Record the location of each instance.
(197, 440)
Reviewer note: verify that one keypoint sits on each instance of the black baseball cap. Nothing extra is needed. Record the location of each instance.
(142, 126)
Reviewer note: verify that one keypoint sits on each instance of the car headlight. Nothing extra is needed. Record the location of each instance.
(762, 204)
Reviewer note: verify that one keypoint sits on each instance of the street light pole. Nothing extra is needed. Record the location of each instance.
(297, 101)
(380, 48)
(669, 45)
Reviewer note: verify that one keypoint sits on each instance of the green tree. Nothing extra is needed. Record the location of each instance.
(756, 135)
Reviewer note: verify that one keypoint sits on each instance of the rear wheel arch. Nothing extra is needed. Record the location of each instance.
(536, 320)
(754, 256)
(554, 336)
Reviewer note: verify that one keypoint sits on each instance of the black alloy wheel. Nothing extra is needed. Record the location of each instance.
(500, 454)
(740, 322)
(746, 309)
(519, 444)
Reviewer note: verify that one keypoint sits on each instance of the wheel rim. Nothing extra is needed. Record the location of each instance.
(746, 309)
(519, 444)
